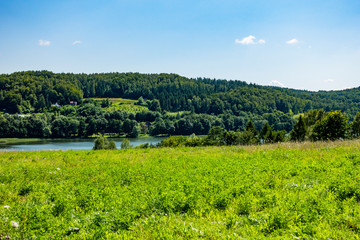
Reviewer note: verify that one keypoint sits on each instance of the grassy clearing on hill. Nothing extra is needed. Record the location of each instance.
(305, 190)
(117, 100)
(122, 104)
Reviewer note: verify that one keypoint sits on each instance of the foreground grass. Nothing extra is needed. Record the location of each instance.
(309, 190)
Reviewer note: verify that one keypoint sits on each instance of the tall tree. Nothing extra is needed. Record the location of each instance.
(355, 126)
(298, 133)
(331, 127)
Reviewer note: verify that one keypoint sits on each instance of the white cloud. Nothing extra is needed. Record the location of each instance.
(76, 42)
(246, 40)
(276, 83)
(44, 43)
(329, 80)
(249, 40)
(292, 41)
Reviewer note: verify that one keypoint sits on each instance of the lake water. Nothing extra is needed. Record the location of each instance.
(71, 144)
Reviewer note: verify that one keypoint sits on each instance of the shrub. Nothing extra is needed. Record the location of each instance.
(125, 144)
(101, 143)
(333, 126)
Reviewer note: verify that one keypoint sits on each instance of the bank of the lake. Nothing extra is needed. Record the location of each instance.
(43, 144)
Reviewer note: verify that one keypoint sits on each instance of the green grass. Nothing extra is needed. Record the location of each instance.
(19, 140)
(117, 100)
(285, 191)
(127, 108)
(122, 104)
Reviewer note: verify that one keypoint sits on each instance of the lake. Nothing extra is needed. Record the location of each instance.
(70, 144)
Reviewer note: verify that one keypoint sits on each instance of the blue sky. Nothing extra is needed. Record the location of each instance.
(302, 44)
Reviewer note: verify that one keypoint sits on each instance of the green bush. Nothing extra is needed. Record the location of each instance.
(102, 143)
(331, 127)
(125, 144)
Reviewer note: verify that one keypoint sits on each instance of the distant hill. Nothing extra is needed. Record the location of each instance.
(30, 91)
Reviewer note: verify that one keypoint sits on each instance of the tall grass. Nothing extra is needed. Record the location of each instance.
(300, 190)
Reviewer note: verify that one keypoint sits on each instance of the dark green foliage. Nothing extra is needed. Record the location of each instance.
(102, 143)
(248, 138)
(312, 116)
(99, 143)
(141, 101)
(111, 145)
(125, 144)
(105, 103)
(37, 90)
(155, 105)
(267, 134)
(250, 127)
(279, 136)
(135, 132)
(193, 141)
(143, 145)
(215, 137)
(299, 131)
(230, 137)
(202, 104)
(332, 126)
(173, 141)
(158, 127)
(64, 127)
(355, 126)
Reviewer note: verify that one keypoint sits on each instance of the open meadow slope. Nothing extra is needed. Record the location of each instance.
(307, 190)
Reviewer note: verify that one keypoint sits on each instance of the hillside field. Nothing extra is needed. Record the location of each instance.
(122, 104)
(286, 191)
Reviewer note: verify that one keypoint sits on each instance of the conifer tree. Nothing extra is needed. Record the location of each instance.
(355, 126)
(299, 131)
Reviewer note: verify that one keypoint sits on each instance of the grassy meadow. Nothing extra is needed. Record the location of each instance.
(284, 191)
(123, 104)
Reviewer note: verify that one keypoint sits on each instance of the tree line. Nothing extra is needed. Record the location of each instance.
(36, 91)
(92, 117)
(314, 125)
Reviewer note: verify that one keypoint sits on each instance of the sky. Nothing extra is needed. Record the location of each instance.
(301, 44)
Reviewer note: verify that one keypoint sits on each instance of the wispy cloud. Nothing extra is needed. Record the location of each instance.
(44, 43)
(329, 80)
(276, 83)
(77, 42)
(249, 40)
(292, 41)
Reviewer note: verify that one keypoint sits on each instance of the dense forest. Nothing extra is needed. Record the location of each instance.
(24, 92)
(173, 104)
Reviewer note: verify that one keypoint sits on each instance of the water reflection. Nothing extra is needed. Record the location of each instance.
(72, 144)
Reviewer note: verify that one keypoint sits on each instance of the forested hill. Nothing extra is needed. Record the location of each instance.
(31, 91)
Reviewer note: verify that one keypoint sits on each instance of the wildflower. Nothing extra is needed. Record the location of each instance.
(14, 224)
(6, 207)
(58, 169)
(74, 229)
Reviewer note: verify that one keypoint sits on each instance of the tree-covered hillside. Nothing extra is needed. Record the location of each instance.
(31, 91)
